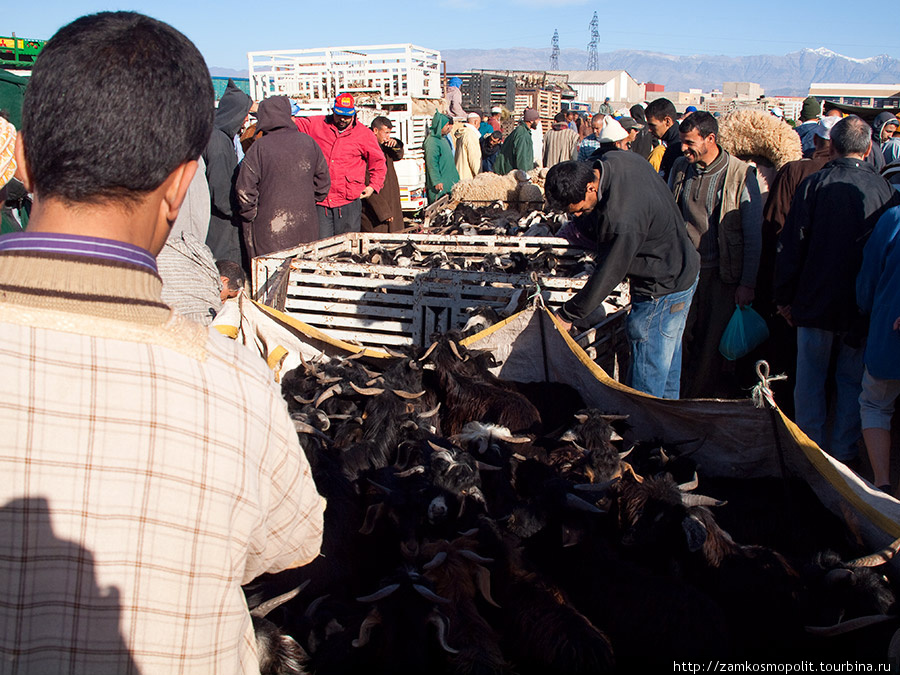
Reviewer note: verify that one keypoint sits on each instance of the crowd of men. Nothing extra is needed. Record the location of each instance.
(152, 467)
(796, 248)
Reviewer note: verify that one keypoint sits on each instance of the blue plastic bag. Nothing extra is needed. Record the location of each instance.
(746, 331)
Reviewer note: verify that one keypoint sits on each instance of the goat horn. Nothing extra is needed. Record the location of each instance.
(437, 448)
(515, 440)
(579, 504)
(380, 594)
(410, 472)
(436, 561)
(329, 380)
(371, 373)
(429, 594)
(365, 629)
(615, 436)
(439, 623)
(623, 455)
(470, 533)
(373, 381)
(691, 484)
(474, 557)
(407, 394)
(369, 391)
(430, 413)
(481, 466)
(304, 401)
(455, 350)
(428, 352)
(373, 514)
(328, 393)
(483, 577)
(264, 608)
(701, 500)
(663, 456)
(314, 605)
(323, 419)
(615, 418)
(877, 559)
(849, 626)
(391, 352)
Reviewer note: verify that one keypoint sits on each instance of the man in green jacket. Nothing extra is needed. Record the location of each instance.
(440, 167)
(518, 150)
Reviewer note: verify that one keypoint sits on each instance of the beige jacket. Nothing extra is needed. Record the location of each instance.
(468, 151)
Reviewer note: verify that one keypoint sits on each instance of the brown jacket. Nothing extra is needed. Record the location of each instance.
(385, 203)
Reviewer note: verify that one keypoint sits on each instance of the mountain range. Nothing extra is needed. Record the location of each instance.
(787, 75)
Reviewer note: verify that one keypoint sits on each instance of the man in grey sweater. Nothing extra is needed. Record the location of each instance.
(719, 198)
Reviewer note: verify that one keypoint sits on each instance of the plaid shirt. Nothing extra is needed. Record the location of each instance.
(149, 469)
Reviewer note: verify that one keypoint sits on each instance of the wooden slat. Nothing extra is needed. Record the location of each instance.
(356, 323)
(297, 305)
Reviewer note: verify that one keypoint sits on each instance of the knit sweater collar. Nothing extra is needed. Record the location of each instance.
(82, 285)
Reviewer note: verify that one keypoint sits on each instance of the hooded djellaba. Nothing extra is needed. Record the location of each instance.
(221, 170)
(440, 166)
(283, 175)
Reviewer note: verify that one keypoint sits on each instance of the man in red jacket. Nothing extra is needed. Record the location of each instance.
(349, 148)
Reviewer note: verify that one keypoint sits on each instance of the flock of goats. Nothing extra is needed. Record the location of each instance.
(484, 527)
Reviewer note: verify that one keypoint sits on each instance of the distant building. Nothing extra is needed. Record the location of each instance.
(654, 87)
(742, 90)
(594, 86)
(867, 95)
(790, 105)
(680, 99)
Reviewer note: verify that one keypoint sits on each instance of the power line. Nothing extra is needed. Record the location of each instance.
(593, 56)
(554, 52)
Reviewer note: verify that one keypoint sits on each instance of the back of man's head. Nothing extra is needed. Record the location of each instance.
(567, 183)
(116, 102)
(851, 136)
(702, 121)
(660, 109)
(231, 273)
(560, 117)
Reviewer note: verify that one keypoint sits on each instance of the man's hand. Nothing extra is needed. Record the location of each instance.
(567, 325)
(785, 311)
(744, 295)
(368, 192)
(439, 187)
(390, 143)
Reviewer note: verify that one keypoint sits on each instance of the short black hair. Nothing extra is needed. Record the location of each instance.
(702, 121)
(567, 183)
(851, 136)
(233, 272)
(116, 102)
(560, 117)
(381, 122)
(660, 109)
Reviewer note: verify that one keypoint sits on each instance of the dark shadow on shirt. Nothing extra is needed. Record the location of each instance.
(54, 618)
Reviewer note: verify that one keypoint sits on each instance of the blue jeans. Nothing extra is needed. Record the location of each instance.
(814, 353)
(654, 329)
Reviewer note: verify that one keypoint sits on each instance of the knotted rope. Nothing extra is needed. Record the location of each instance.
(762, 393)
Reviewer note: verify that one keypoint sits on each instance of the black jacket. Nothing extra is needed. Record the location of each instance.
(640, 233)
(672, 139)
(832, 215)
(221, 171)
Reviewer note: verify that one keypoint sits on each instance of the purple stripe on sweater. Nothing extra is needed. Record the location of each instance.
(74, 244)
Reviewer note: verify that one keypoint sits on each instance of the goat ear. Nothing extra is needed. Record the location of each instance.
(695, 533)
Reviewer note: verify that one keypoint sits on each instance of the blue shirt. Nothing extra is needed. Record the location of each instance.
(878, 294)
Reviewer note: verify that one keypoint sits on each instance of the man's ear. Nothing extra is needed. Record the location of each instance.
(178, 183)
(22, 172)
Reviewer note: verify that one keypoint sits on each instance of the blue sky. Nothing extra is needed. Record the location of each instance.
(227, 29)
